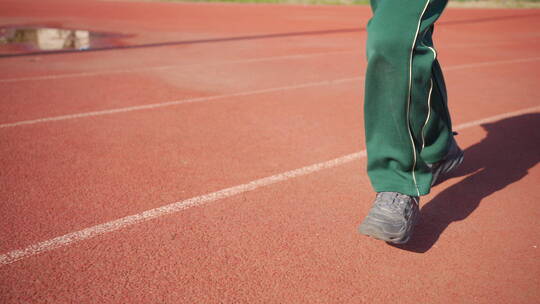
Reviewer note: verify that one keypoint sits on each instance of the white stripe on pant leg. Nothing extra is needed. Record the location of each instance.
(409, 98)
(429, 98)
(429, 113)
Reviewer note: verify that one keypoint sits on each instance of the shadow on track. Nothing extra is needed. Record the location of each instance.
(503, 157)
(250, 37)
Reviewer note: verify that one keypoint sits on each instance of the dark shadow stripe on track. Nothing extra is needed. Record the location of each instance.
(251, 37)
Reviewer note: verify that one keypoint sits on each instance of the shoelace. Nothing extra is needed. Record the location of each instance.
(394, 200)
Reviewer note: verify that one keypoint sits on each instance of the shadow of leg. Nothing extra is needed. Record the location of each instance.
(510, 149)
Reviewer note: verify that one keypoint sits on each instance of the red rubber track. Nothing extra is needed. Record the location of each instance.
(279, 88)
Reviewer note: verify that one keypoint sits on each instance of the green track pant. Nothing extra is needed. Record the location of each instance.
(407, 122)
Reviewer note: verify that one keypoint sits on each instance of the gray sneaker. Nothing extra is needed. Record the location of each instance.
(392, 217)
(449, 163)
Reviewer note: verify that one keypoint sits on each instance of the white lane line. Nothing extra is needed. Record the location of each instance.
(130, 220)
(490, 63)
(90, 232)
(177, 102)
(495, 118)
(240, 61)
(223, 96)
(170, 67)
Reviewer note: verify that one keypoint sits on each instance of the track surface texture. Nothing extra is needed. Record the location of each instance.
(214, 154)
